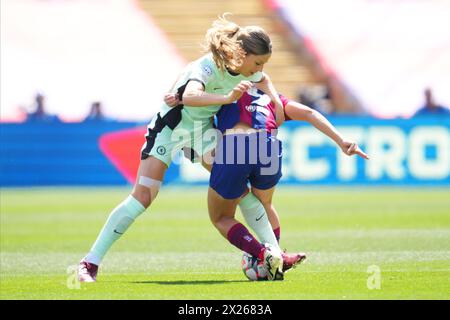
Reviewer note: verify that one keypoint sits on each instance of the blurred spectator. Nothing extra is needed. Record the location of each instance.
(39, 113)
(331, 98)
(430, 107)
(317, 97)
(96, 113)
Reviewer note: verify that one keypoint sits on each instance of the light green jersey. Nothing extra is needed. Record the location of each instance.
(163, 137)
(214, 81)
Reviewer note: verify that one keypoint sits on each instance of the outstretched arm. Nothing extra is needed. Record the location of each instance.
(298, 111)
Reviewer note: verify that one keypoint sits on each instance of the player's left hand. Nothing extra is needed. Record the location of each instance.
(351, 148)
(171, 99)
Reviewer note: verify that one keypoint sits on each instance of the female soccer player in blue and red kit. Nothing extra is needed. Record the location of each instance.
(250, 152)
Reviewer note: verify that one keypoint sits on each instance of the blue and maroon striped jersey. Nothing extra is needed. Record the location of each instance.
(254, 108)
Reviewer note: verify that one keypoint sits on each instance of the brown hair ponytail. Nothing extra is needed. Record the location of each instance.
(230, 43)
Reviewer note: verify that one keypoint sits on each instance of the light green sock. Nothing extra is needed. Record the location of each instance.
(118, 222)
(256, 217)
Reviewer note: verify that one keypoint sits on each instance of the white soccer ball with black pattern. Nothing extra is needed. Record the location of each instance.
(251, 269)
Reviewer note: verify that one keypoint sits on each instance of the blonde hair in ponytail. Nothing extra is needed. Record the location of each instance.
(230, 43)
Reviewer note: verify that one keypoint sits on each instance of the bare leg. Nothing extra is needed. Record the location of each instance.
(221, 212)
(150, 168)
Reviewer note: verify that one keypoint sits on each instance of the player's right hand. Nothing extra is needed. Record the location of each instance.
(239, 90)
(171, 99)
(351, 148)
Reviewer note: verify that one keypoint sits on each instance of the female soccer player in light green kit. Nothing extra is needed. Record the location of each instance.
(234, 64)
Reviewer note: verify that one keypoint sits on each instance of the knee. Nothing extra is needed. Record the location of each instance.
(219, 220)
(222, 224)
(143, 196)
(265, 200)
(215, 218)
(146, 190)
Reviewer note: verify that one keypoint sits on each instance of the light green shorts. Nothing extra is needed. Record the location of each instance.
(195, 138)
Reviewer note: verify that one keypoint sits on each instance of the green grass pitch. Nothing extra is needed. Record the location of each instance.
(373, 243)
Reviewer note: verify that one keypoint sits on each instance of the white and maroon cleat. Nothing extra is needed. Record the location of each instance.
(87, 272)
(290, 260)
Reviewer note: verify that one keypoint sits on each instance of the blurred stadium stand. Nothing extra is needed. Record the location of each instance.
(127, 53)
(385, 52)
(78, 52)
(185, 23)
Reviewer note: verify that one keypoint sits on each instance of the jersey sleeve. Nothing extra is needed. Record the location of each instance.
(257, 77)
(202, 71)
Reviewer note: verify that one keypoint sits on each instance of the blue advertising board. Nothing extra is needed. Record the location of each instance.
(402, 152)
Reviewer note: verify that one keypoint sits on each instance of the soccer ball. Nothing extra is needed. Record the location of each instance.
(251, 270)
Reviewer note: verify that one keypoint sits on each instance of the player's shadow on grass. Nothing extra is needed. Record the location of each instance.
(184, 282)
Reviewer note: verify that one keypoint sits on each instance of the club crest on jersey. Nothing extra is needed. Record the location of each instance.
(161, 150)
(207, 70)
(251, 108)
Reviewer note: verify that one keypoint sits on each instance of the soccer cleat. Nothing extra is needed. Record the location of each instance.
(87, 272)
(279, 276)
(290, 260)
(270, 259)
